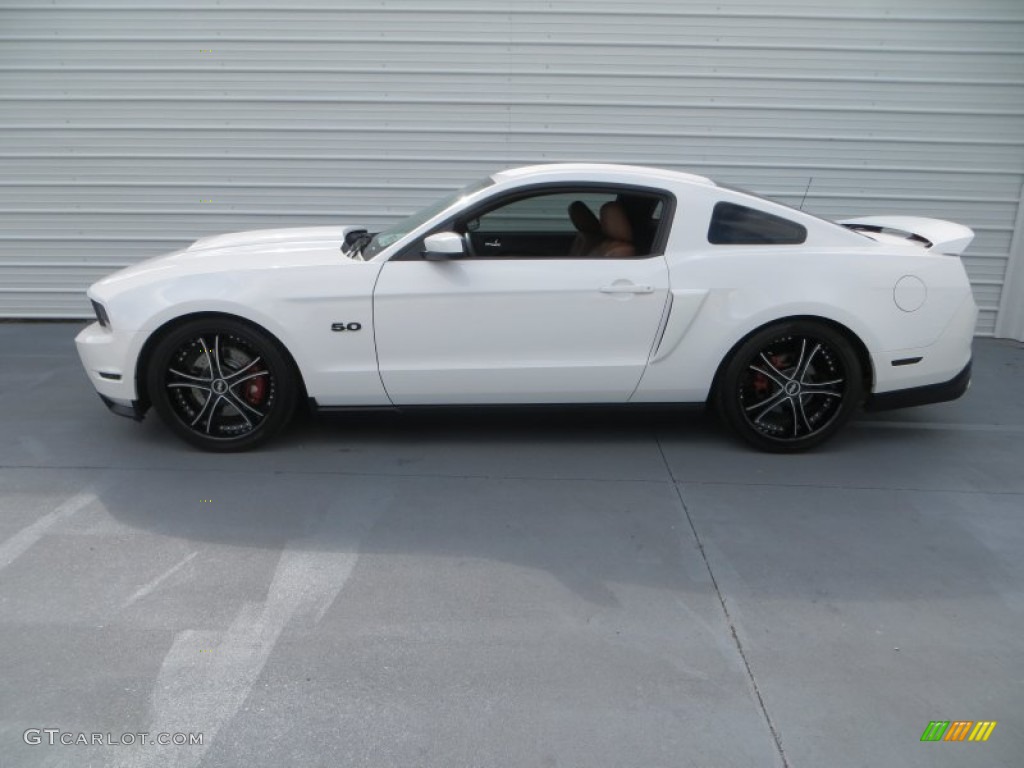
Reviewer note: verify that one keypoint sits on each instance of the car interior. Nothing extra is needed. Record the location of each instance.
(581, 224)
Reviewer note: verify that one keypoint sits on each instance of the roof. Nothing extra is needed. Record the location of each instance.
(599, 169)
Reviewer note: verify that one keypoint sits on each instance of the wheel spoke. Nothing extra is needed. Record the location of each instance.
(235, 400)
(771, 365)
(213, 410)
(216, 356)
(769, 407)
(250, 376)
(241, 413)
(209, 361)
(800, 360)
(796, 419)
(780, 384)
(189, 376)
(768, 402)
(801, 373)
(803, 415)
(822, 392)
(206, 404)
(186, 385)
(240, 371)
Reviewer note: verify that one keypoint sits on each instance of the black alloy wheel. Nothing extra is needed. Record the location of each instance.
(791, 386)
(221, 384)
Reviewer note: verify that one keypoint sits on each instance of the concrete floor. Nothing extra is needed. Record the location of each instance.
(578, 589)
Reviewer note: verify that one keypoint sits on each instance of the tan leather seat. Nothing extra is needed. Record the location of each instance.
(617, 233)
(588, 229)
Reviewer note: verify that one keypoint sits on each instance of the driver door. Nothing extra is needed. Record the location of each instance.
(515, 320)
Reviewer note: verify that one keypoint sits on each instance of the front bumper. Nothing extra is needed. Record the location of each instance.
(133, 410)
(109, 359)
(930, 393)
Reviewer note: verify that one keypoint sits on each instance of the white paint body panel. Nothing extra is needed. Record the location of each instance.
(293, 286)
(517, 331)
(542, 330)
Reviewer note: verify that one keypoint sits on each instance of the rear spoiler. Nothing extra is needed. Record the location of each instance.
(934, 234)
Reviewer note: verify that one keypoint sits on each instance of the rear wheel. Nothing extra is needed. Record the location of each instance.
(221, 384)
(790, 386)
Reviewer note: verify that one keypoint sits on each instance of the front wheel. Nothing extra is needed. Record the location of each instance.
(221, 384)
(790, 386)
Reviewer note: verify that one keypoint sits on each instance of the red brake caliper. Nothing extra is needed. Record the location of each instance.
(256, 390)
(761, 383)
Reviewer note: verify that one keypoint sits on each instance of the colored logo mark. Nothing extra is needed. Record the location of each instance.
(958, 730)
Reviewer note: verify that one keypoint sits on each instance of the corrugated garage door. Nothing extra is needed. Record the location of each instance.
(129, 129)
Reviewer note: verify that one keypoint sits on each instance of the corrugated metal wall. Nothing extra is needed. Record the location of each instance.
(129, 128)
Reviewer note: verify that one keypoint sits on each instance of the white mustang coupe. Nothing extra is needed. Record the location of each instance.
(541, 285)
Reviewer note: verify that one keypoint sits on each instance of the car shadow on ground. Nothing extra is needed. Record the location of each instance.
(593, 497)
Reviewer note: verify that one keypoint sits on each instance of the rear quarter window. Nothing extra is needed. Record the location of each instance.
(733, 224)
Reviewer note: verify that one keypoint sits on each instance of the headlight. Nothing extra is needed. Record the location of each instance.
(101, 314)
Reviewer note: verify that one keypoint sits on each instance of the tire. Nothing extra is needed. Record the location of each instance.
(221, 384)
(790, 386)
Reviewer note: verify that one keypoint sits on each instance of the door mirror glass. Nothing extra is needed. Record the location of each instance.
(443, 246)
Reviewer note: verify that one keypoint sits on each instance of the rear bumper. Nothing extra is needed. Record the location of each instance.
(931, 393)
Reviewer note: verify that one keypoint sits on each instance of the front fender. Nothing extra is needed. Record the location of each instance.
(300, 306)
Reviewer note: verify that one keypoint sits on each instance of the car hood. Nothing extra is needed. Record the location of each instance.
(237, 251)
(257, 237)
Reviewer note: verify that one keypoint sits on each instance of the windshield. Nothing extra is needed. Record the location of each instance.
(397, 231)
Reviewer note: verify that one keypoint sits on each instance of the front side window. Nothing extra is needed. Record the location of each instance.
(556, 225)
(542, 214)
(733, 224)
(589, 221)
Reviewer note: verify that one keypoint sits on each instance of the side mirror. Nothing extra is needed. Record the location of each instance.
(351, 237)
(443, 246)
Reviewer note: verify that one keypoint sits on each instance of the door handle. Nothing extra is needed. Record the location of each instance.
(627, 288)
(495, 243)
